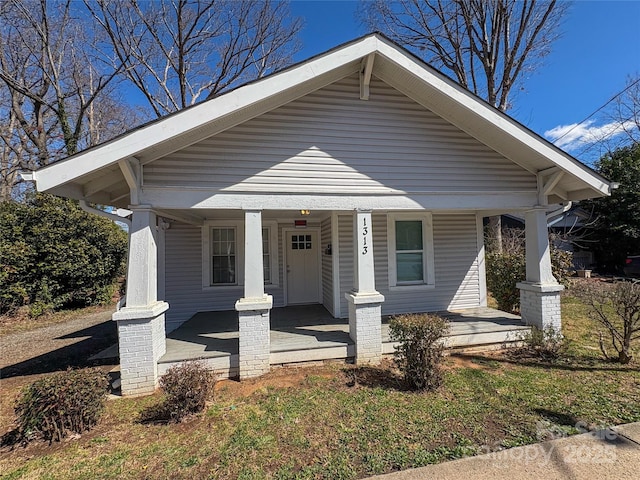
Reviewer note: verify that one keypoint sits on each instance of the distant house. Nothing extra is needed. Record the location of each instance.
(570, 226)
(357, 180)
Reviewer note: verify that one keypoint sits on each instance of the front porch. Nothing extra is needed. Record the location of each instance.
(310, 333)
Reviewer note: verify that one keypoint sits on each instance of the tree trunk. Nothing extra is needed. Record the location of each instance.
(624, 357)
(495, 229)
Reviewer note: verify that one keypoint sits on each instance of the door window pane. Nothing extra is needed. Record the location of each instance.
(301, 242)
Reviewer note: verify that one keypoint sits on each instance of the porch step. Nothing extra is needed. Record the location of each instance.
(477, 340)
(223, 366)
(312, 355)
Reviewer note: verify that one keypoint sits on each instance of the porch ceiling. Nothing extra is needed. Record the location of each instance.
(199, 216)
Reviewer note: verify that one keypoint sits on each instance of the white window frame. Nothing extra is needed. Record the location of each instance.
(238, 226)
(272, 232)
(427, 246)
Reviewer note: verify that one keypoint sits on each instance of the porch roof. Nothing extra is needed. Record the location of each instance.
(109, 173)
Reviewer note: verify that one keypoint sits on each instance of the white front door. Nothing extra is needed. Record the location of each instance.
(303, 284)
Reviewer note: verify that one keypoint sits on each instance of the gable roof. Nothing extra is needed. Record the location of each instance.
(97, 169)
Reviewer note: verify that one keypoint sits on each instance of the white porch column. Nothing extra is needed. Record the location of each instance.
(365, 318)
(141, 331)
(254, 308)
(540, 293)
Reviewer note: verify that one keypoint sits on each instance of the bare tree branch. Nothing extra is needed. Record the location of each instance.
(492, 40)
(50, 77)
(177, 51)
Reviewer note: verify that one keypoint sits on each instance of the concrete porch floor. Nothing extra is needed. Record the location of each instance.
(310, 333)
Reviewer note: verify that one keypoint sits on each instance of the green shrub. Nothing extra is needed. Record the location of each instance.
(69, 401)
(56, 255)
(186, 388)
(504, 271)
(561, 264)
(419, 354)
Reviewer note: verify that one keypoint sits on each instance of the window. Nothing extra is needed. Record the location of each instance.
(301, 242)
(410, 240)
(266, 256)
(409, 252)
(223, 256)
(223, 253)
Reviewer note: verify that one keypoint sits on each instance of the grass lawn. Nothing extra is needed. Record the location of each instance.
(337, 421)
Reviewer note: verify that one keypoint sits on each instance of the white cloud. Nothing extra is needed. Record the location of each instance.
(571, 137)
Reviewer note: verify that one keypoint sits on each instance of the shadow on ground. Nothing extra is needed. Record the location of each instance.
(563, 362)
(374, 377)
(95, 338)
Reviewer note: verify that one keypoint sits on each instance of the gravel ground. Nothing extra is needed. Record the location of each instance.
(56, 347)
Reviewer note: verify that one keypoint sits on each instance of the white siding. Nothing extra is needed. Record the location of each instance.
(327, 266)
(330, 141)
(457, 283)
(183, 279)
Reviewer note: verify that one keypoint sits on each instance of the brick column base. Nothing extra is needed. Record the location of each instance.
(365, 326)
(540, 305)
(255, 344)
(141, 342)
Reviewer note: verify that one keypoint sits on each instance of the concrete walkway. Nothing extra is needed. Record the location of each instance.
(604, 454)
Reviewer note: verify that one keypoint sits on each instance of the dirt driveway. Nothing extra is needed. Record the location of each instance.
(25, 356)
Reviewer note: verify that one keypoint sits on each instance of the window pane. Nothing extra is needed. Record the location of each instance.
(409, 267)
(224, 269)
(265, 241)
(409, 235)
(266, 268)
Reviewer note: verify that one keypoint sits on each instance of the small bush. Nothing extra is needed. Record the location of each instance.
(420, 351)
(69, 401)
(547, 343)
(187, 388)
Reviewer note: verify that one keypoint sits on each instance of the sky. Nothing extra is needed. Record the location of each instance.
(597, 54)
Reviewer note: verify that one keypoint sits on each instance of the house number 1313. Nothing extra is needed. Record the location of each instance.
(365, 234)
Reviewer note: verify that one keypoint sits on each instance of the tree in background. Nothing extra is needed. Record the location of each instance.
(626, 112)
(488, 46)
(64, 66)
(178, 52)
(616, 229)
(58, 95)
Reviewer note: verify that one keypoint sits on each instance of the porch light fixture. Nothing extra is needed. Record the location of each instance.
(305, 212)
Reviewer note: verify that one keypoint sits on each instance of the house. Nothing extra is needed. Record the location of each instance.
(357, 180)
(569, 227)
